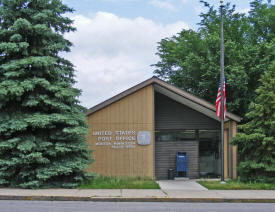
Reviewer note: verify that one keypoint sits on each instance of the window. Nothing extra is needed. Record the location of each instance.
(175, 135)
(209, 151)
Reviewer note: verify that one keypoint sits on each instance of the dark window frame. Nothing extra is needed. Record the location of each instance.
(175, 135)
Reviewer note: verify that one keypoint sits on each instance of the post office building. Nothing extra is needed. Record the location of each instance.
(148, 129)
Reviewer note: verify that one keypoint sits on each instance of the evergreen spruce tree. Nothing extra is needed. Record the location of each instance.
(256, 143)
(42, 126)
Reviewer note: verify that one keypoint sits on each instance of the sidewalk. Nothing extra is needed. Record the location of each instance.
(185, 185)
(140, 195)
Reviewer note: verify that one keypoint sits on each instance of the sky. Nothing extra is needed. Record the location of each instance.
(116, 40)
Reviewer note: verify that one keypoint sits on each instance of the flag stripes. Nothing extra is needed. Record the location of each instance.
(218, 101)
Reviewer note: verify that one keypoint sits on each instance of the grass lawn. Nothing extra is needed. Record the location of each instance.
(236, 185)
(101, 182)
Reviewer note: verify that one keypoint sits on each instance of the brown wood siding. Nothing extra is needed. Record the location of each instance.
(226, 175)
(166, 157)
(230, 151)
(230, 158)
(173, 115)
(133, 112)
(234, 150)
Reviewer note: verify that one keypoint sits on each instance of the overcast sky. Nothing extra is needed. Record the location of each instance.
(116, 40)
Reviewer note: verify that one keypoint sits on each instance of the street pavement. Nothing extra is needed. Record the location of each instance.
(54, 206)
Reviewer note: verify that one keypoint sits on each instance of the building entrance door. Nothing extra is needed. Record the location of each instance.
(210, 154)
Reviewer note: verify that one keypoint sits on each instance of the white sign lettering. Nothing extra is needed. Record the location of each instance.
(121, 139)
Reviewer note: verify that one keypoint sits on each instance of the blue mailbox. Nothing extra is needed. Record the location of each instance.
(181, 163)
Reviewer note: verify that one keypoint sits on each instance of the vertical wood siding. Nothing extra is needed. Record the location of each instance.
(134, 112)
(234, 151)
(230, 151)
(226, 155)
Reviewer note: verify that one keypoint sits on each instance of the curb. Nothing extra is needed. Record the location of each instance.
(135, 199)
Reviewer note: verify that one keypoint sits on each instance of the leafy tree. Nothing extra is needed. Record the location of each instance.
(256, 143)
(42, 127)
(191, 59)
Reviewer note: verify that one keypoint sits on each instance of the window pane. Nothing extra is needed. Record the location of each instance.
(209, 151)
(175, 135)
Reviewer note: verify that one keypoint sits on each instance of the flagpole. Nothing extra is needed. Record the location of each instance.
(222, 93)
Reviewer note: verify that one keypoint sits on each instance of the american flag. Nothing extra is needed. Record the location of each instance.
(218, 101)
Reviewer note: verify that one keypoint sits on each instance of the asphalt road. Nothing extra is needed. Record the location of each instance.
(47, 206)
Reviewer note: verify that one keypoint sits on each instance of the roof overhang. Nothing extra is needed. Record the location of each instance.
(187, 102)
(172, 92)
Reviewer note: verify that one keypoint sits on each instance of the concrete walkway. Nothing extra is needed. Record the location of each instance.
(140, 195)
(186, 185)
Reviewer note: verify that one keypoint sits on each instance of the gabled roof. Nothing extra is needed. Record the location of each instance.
(173, 92)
